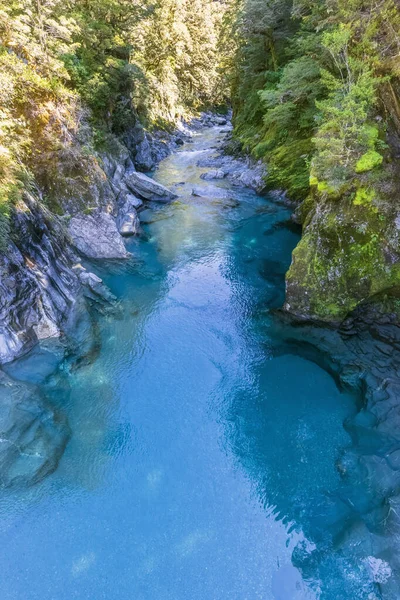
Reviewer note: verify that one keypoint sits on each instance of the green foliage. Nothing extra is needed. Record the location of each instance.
(68, 64)
(312, 71)
(343, 135)
(312, 83)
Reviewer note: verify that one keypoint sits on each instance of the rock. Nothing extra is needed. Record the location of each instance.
(226, 163)
(216, 196)
(118, 174)
(47, 326)
(40, 292)
(95, 288)
(133, 201)
(252, 178)
(144, 160)
(137, 142)
(208, 119)
(357, 353)
(37, 286)
(240, 171)
(214, 174)
(97, 236)
(147, 188)
(379, 569)
(147, 149)
(149, 216)
(32, 435)
(210, 192)
(128, 222)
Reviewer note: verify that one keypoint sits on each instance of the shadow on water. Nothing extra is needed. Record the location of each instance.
(290, 429)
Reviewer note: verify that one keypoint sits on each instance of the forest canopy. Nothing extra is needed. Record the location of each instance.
(75, 71)
(312, 84)
(307, 85)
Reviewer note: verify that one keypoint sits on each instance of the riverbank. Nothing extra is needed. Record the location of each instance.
(50, 294)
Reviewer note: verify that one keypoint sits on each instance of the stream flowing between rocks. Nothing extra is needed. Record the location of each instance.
(202, 461)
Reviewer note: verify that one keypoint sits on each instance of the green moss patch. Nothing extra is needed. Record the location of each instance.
(370, 160)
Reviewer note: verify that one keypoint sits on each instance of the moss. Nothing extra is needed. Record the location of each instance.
(262, 149)
(370, 160)
(370, 133)
(305, 209)
(323, 186)
(364, 197)
(341, 260)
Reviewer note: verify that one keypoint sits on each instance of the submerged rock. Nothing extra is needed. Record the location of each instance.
(147, 188)
(210, 192)
(216, 196)
(362, 354)
(150, 215)
(32, 435)
(97, 236)
(95, 288)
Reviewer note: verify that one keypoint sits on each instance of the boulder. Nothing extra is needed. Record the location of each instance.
(147, 149)
(144, 160)
(133, 201)
(94, 288)
(128, 222)
(32, 435)
(213, 174)
(216, 196)
(250, 177)
(240, 171)
(97, 236)
(145, 187)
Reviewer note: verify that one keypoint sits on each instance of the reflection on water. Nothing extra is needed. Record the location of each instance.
(199, 464)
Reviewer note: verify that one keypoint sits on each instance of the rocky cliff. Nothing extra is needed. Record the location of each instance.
(42, 283)
(350, 248)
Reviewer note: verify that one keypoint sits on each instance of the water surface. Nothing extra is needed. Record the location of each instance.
(199, 458)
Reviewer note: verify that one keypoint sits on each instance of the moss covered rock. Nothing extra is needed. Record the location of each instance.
(349, 251)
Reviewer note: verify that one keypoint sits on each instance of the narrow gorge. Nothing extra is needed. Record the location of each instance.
(199, 299)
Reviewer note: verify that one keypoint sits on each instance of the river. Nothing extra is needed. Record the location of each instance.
(200, 454)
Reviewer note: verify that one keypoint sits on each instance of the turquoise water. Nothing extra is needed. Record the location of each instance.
(201, 457)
